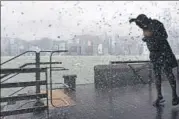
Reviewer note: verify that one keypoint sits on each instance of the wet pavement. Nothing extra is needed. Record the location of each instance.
(133, 102)
(130, 102)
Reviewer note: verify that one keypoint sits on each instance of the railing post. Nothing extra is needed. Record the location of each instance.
(38, 102)
(37, 73)
(178, 77)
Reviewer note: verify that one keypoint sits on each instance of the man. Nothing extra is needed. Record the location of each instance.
(161, 55)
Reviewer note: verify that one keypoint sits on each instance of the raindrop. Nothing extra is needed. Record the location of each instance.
(120, 23)
(49, 25)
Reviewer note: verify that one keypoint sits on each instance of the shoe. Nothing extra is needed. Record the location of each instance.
(158, 101)
(175, 101)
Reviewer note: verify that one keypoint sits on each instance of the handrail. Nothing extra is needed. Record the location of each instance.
(30, 51)
(129, 61)
(22, 70)
(52, 52)
(16, 57)
(22, 66)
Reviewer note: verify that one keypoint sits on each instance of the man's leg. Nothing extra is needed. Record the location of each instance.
(172, 81)
(158, 81)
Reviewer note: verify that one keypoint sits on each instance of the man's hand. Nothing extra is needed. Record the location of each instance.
(132, 20)
(147, 33)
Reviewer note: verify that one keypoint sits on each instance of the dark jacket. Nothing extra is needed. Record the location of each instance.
(160, 50)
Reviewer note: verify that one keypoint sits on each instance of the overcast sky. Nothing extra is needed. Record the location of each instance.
(34, 20)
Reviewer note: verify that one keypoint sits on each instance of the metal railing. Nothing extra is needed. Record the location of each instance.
(36, 96)
(136, 70)
(17, 57)
(27, 64)
(37, 64)
(36, 70)
(51, 81)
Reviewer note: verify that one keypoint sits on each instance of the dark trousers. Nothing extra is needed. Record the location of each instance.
(158, 67)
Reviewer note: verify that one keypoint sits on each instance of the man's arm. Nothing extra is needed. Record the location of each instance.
(147, 34)
(137, 23)
(132, 20)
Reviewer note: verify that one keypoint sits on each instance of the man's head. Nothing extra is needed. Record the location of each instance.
(142, 21)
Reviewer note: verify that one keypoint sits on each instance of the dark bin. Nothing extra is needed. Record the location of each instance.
(70, 80)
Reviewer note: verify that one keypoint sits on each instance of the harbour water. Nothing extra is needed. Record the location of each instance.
(82, 66)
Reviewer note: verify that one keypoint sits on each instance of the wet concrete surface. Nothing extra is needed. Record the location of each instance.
(130, 102)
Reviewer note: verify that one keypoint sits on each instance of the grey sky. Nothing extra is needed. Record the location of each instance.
(34, 20)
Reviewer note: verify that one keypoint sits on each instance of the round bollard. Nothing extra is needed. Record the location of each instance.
(70, 80)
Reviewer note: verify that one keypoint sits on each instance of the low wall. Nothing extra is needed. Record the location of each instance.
(121, 75)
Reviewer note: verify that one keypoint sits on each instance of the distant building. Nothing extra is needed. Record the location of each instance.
(84, 45)
(5, 44)
(73, 47)
(128, 45)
